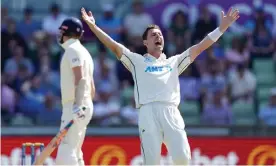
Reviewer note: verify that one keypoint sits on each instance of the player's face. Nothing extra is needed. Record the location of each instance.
(155, 40)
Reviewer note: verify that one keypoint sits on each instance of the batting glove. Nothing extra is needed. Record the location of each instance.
(79, 112)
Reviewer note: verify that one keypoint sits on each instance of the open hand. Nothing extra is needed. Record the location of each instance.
(87, 17)
(226, 20)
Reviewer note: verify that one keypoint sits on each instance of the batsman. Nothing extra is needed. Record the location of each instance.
(77, 92)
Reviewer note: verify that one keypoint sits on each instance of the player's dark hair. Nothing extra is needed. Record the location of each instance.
(151, 26)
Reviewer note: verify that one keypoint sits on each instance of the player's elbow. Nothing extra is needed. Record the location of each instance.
(199, 48)
(195, 51)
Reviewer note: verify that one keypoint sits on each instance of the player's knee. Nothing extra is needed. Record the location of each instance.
(151, 158)
(181, 159)
(151, 161)
(80, 158)
(65, 160)
(81, 162)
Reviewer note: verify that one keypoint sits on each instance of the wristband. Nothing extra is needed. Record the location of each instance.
(215, 34)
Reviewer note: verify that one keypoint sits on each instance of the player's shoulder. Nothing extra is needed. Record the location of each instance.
(138, 54)
(175, 57)
(78, 49)
(72, 48)
(132, 55)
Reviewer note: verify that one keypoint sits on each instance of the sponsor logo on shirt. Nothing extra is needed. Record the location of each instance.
(75, 60)
(154, 69)
(147, 60)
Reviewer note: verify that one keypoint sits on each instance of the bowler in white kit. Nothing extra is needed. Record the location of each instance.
(157, 91)
(77, 92)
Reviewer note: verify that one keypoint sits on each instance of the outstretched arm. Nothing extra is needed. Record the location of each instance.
(115, 47)
(226, 20)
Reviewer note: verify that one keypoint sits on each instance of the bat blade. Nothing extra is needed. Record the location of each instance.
(47, 151)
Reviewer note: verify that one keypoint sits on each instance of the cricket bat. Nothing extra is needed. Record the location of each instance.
(47, 151)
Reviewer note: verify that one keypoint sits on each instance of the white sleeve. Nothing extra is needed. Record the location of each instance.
(74, 58)
(129, 59)
(183, 61)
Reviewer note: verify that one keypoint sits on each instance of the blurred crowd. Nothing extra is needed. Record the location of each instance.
(219, 77)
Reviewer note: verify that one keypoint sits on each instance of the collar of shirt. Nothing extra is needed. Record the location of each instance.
(69, 42)
(152, 58)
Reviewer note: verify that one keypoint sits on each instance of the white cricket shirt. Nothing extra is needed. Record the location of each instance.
(155, 80)
(75, 55)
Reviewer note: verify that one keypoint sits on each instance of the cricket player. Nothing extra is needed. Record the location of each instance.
(156, 89)
(77, 91)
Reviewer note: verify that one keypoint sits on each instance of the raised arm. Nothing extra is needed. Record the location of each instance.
(115, 47)
(226, 20)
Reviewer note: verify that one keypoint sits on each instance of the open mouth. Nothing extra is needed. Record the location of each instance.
(158, 43)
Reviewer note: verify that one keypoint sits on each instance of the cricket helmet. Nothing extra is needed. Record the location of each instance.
(72, 26)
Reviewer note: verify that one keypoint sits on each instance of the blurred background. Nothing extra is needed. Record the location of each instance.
(228, 95)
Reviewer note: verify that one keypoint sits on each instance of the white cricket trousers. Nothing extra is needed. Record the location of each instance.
(69, 151)
(159, 123)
